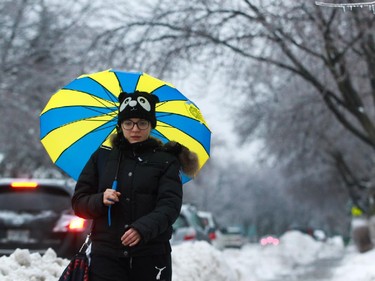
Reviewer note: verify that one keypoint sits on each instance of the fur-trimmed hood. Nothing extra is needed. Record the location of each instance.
(188, 159)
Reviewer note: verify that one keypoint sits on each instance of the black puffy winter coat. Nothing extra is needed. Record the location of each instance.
(150, 202)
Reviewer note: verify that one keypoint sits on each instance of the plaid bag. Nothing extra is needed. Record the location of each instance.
(78, 267)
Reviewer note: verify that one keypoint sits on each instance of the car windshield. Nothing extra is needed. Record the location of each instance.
(196, 221)
(180, 222)
(34, 200)
(233, 230)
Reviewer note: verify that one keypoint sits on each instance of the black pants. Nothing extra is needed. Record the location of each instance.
(104, 268)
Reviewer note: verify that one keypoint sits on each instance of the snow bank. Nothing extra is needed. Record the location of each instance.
(355, 267)
(301, 249)
(255, 263)
(199, 261)
(23, 266)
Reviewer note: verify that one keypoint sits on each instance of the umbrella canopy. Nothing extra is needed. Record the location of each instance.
(81, 116)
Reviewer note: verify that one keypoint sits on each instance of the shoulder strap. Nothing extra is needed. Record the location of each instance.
(103, 155)
(108, 165)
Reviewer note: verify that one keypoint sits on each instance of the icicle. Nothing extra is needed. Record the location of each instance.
(347, 6)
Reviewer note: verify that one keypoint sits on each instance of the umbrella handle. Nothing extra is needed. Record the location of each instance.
(114, 187)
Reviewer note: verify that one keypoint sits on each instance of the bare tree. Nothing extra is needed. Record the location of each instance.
(38, 55)
(300, 77)
(282, 39)
(269, 49)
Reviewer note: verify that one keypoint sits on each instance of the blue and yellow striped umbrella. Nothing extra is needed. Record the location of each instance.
(82, 115)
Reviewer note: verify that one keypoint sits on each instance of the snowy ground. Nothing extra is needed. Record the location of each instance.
(201, 262)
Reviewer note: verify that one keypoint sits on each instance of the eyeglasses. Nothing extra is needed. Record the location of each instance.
(141, 124)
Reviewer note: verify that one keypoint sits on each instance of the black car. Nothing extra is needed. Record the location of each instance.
(36, 215)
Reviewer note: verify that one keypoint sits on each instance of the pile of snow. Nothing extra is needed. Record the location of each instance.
(200, 261)
(22, 266)
(356, 266)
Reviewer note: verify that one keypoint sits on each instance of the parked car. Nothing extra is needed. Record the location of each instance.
(213, 229)
(36, 215)
(188, 226)
(233, 237)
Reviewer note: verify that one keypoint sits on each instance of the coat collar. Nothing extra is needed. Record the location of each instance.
(188, 159)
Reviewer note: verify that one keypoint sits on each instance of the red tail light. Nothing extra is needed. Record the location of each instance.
(212, 236)
(269, 240)
(77, 224)
(70, 223)
(189, 237)
(24, 184)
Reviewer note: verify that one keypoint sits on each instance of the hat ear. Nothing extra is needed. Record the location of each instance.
(122, 96)
(154, 98)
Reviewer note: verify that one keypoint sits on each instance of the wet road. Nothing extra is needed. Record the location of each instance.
(320, 270)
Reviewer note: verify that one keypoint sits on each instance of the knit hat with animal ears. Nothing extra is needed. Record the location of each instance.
(137, 105)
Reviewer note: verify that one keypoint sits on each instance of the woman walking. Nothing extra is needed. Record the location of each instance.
(132, 224)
